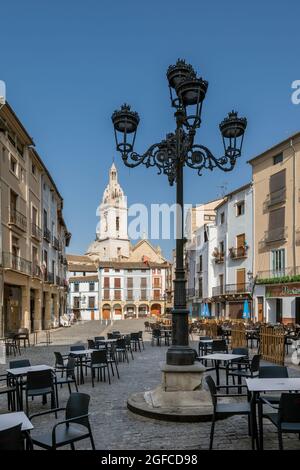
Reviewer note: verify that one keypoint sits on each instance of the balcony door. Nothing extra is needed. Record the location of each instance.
(240, 244)
(13, 202)
(240, 280)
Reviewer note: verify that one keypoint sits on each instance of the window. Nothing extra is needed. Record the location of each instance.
(130, 282)
(156, 282)
(276, 230)
(221, 247)
(143, 294)
(106, 270)
(13, 165)
(91, 302)
(205, 236)
(143, 282)
(222, 218)
(117, 282)
(117, 224)
(240, 208)
(278, 261)
(156, 294)
(91, 286)
(117, 295)
(76, 287)
(106, 282)
(45, 219)
(106, 294)
(117, 270)
(15, 247)
(33, 169)
(129, 295)
(119, 251)
(278, 159)
(34, 215)
(200, 264)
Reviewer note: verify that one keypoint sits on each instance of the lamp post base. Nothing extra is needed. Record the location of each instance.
(180, 356)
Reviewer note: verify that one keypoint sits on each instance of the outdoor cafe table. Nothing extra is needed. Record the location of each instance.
(18, 373)
(80, 355)
(257, 386)
(217, 358)
(9, 420)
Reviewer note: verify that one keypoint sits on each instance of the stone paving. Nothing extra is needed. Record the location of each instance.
(115, 427)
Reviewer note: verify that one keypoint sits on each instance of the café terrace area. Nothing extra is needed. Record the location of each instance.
(134, 352)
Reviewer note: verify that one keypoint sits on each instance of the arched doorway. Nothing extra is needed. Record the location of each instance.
(117, 310)
(130, 311)
(156, 309)
(143, 311)
(106, 312)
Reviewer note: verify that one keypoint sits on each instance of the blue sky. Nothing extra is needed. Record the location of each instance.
(68, 64)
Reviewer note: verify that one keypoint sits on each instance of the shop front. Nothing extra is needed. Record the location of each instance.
(282, 303)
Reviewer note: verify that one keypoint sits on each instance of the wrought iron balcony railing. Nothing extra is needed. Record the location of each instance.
(36, 270)
(276, 197)
(275, 235)
(278, 273)
(228, 289)
(55, 243)
(237, 253)
(36, 231)
(11, 261)
(17, 219)
(47, 235)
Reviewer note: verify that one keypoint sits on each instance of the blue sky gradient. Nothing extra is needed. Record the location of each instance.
(68, 64)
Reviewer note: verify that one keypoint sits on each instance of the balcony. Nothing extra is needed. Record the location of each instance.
(36, 232)
(218, 256)
(36, 271)
(11, 261)
(230, 289)
(190, 292)
(276, 197)
(50, 278)
(55, 243)
(275, 235)
(278, 276)
(238, 253)
(47, 235)
(17, 219)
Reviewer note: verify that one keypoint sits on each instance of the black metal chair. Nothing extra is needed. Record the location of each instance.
(203, 348)
(69, 378)
(83, 360)
(60, 363)
(112, 359)
(12, 438)
(91, 344)
(9, 390)
(222, 410)
(238, 364)
(140, 333)
(75, 427)
(19, 363)
(286, 416)
(156, 337)
(23, 335)
(40, 383)
(128, 345)
(252, 370)
(121, 350)
(99, 363)
(135, 341)
(12, 345)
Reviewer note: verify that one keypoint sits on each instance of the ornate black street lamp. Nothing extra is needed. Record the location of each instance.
(187, 93)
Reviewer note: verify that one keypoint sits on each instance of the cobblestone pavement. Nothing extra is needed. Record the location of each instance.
(115, 427)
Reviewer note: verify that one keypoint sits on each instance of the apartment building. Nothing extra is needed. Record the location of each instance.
(133, 289)
(198, 218)
(276, 186)
(30, 298)
(83, 283)
(233, 253)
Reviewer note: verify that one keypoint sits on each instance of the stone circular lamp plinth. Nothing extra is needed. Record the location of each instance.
(180, 397)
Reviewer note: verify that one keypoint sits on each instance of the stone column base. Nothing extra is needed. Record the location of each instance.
(180, 397)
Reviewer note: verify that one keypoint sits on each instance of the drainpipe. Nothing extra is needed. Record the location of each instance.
(294, 208)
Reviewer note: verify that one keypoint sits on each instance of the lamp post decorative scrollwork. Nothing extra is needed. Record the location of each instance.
(187, 93)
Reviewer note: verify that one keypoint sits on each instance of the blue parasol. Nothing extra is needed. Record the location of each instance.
(246, 311)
